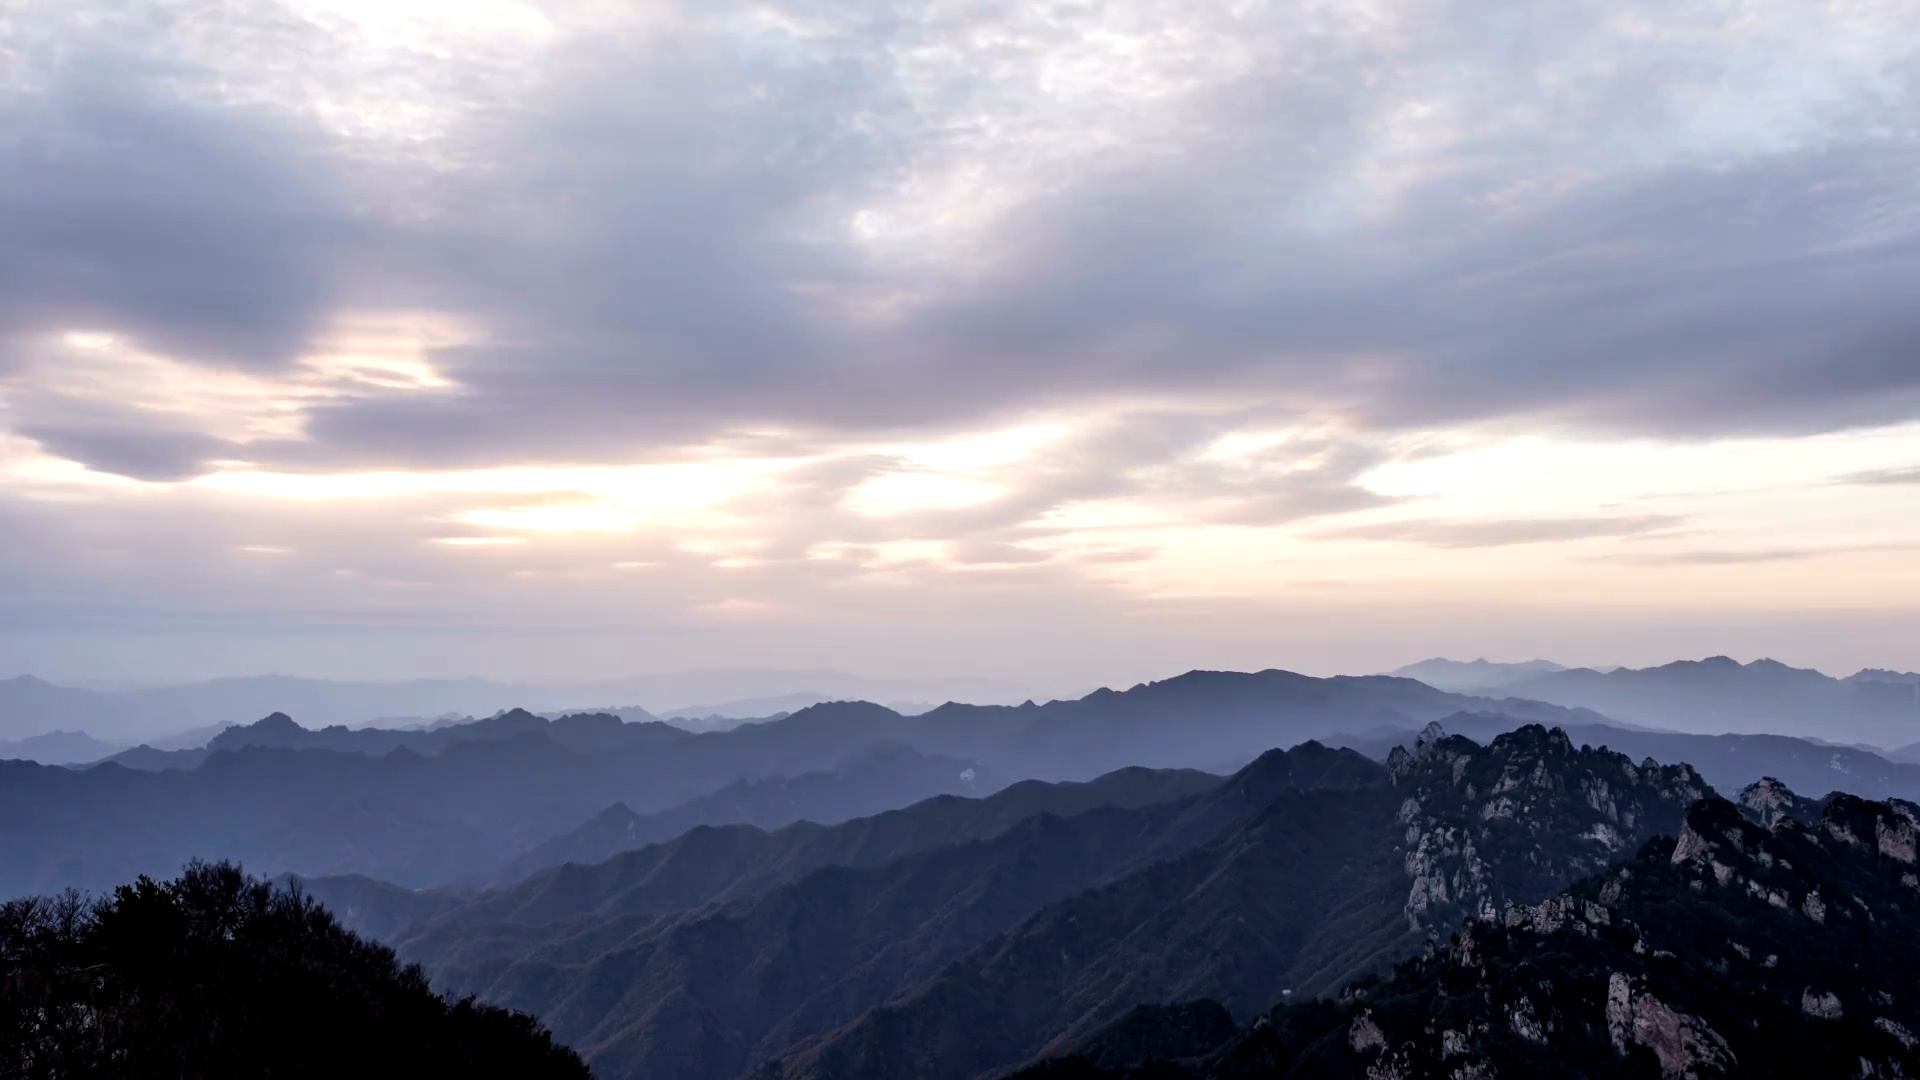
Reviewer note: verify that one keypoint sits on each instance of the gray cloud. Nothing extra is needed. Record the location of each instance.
(1885, 476)
(210, 232)
(130, 449)
(1372, 226)
(1479, 534)
(1728, 558)
(658, 251)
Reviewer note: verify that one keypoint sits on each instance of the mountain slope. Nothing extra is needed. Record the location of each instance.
(1752, 948)
(709, 864)
(1305, 894)
(706, 992)
(879, 779)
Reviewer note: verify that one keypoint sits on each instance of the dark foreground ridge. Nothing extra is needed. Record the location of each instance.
(217, 974)
(1765, 941)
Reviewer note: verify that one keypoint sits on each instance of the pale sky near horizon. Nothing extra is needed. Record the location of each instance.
(1059, 342)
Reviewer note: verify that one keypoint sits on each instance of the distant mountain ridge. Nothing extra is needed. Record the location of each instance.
(1720, 694)
(877, 780)
(1473, 675)
(317, 803)
(58, 748)
(1882, 675)
(32, 706)
(586, 732)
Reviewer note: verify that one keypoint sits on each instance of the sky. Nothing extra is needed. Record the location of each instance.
(1057, 342)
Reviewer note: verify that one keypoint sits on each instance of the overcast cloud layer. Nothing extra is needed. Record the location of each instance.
(373, 338)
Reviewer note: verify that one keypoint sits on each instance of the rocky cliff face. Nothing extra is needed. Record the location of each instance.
(1755, 943)
(1488, 827)
(1300, 893)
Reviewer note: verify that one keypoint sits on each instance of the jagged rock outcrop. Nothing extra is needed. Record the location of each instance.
(1490, 826)
(1699, 957)
(1304, 893)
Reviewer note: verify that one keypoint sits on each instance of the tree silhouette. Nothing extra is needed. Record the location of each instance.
(220, 974)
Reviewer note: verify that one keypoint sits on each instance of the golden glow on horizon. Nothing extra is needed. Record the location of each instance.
(1755, 521)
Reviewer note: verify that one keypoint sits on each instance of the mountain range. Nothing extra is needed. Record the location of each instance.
(1729, 762)
(58, 748)
(33, 706)
(1132, 884)
(426, 807)
(960, 936)
(1719, 694)
(462, 801)
(1473, 676)
(1774, 938)
(1301, 894)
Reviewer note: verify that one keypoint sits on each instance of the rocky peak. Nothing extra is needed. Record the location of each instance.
(1524, 816)
(274, 729)
(1768, 801)
(1738, 949)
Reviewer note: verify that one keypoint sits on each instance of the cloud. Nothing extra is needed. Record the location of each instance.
(204, 230)
(833, 235)
(1724, 558)
(1891, 477)
(679, 228)
(1503, 533)
(131, 450)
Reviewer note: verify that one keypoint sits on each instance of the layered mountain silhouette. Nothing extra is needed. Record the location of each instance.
(156, 714)
(428, 807)
(1301, 894)
(583, 732)
(403, 816)
(1720, 694)
(1775, 938)
(875, 780)
(58, 748)
(961, 936)
(725, 863)
(742, 969)
(1474, 676)
(848, 892)
(32, 706)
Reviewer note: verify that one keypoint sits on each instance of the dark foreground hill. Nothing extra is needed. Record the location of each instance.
(1777, 943)
(215, 974)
